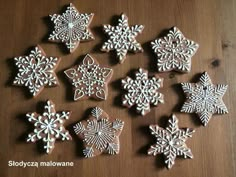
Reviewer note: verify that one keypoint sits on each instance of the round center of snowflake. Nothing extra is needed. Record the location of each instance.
(98, 133)
(34, 71)
(171, 143)
(49, 125)
(70, 25)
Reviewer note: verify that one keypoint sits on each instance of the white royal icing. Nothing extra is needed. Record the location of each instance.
(48, 126)
(174, 51)
(142, 91)
(89, 79)
(71, 27)
(204, 98)
(36, 71)
(122, 38)
(99, 133)
(171, 141)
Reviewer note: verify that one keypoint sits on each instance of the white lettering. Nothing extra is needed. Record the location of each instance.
(23, 164)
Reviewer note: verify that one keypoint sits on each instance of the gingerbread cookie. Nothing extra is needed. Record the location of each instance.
(204, 98)
(171, 141)
(49, 126)
(174, 51)
(122, 38)
(99, 133)
(89, 79)
(142, 91)
(36, 71)
(71, 27)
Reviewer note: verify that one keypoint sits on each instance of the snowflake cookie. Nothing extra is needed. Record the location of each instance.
(99, 133)
(171, 141)
(89, 79)
(204, 98)
(174, 51)
(142, 91)
(71, 27)
(122, 38)
(36, 71)
(49, 126)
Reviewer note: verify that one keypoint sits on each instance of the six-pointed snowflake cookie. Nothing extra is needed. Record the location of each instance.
(48, 126)
(89, 79)
(71, 27)
(174, 51)
(171, 141)
(36, 71)
(204, 98)
(142, 91)
(122, 38)
(99, 133)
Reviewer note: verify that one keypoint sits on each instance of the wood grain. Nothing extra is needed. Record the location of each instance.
(211, 23)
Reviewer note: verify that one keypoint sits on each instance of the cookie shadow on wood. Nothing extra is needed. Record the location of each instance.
(113, 59)
(68, 87)
(162, 122)
(146, 132)
(159, 159)
(14, 70)
(117, 101)
(99, 34)
(181, 98)
(152, 59)
(23, 137)
(50, 27)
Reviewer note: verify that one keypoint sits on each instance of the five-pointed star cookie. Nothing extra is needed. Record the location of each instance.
(174, 51)
(99, 133)
(36, 71)
(142, 91)
(171, 141)
(204, 98)
(89, 79)
(49, 126)
(122, 38)
(71, 27)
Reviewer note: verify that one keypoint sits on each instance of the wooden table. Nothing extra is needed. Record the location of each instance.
(211, 23)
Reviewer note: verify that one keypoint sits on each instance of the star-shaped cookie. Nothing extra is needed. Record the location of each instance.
(99, 133)
(48, 126)
(36, 71)
(204, 98)
(174, 51)
(71, 27)
(171, 141)
(142, 91)
(89, 79)
(122, 38)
